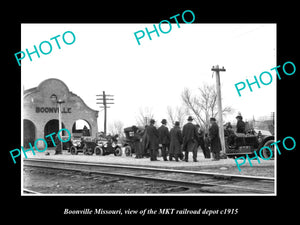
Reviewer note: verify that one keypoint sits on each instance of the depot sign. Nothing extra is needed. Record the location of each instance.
(52, 110)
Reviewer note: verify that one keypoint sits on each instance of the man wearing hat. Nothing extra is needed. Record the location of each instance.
(201, 142)
(215, 143)
(240, 126)
(164, 138)
(229, 133)
(175, 142)
(189, 133)
(152, 140)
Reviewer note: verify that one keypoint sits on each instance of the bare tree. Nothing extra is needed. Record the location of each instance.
(203, 105)
(144, 116)
(176, 114)
(116, 128)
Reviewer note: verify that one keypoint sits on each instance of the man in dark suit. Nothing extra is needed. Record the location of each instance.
(240, 126)
(215, 143)
(201, 142)
(152, 135)
(164, 139)
(175, 142)
(138, 143)
(145, 143)
(189, 133)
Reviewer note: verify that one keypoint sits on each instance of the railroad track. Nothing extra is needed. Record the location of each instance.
(206, 181)
(27, 191)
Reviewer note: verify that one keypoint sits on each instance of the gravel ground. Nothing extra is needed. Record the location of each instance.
(68, 182)
(262, 171)
(52, 181)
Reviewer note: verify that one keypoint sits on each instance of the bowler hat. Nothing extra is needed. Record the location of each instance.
(212, 119)
(164, 121)
(177, 123)
(228, 125)
(239, 115)
(190, 118)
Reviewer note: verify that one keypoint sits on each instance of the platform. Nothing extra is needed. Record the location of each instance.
(264, 168)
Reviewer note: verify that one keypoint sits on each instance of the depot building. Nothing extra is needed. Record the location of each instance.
(41, 112)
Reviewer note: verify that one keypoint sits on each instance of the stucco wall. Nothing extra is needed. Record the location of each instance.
(39, 108)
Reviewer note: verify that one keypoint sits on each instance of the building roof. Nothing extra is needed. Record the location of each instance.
(46, 83)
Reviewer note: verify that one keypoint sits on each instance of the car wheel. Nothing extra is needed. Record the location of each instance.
(85, 150)
(98, 151)
(118, 151)
(128, 151)
(73, 150)
(265, 153)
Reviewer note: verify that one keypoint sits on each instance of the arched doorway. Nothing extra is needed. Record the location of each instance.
(50, 127)
(28, 133)
(81, 128)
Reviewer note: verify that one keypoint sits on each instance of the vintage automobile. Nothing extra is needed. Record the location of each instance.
(238, 144)
(135, 134)
(131, 138)
(108, 145)
(86, 145)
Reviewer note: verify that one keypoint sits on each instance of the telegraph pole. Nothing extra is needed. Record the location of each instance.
(219, 100)
(105, 102)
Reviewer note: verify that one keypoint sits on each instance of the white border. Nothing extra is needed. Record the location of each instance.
(141, 195)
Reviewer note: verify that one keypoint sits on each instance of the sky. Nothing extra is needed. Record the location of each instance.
(107, 57)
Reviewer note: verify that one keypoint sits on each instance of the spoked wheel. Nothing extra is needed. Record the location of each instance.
(266, 152)
(98, 150)
(118, 151)
(128, 151)
(85, 150)
(73, 150)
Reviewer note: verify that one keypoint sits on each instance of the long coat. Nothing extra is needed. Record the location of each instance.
(145, 142)
(138, 143)
(152, 135)
(164, 135)
(215, 142)
(189, 134)
(175, 141)
(240, 126)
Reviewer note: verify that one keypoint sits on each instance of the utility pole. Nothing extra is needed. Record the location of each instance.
(273, 118)
(219, 100)
(273, 123)
(105, 102)
(59, 102)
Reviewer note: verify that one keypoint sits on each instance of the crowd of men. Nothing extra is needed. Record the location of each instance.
(177, 143)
